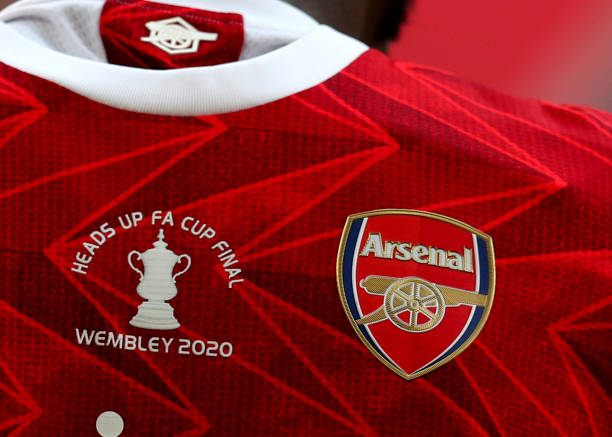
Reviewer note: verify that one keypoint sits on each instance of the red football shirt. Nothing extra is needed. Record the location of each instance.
(251, 168)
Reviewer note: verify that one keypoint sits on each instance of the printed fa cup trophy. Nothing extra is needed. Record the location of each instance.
(157, 285)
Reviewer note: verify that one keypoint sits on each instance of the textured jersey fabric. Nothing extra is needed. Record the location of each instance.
(276, 183)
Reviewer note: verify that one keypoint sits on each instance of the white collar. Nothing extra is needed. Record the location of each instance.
(311, 59)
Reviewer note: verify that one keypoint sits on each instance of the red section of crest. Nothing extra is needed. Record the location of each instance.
(411, 350)
(124, 23)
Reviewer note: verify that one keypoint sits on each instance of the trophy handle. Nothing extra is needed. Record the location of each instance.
(188, 258)
(138, 255)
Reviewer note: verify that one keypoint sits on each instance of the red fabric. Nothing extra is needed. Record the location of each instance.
(123, 24)
(277, 182)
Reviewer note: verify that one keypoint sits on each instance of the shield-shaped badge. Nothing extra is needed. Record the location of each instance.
(417, 287)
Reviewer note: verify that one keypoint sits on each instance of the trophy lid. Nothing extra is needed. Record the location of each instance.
(159, 249)
(160, 243)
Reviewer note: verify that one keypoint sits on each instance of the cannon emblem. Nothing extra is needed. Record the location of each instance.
(176, 36)
(414, 304)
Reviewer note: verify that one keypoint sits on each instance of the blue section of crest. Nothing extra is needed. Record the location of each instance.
(347, 267)
(483, 264)
(347, 280)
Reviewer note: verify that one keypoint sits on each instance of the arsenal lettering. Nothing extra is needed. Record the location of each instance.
(418, 253)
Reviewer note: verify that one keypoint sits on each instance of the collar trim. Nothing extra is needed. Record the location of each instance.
(315, 57)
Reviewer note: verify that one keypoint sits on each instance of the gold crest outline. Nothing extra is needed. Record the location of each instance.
(435, 216)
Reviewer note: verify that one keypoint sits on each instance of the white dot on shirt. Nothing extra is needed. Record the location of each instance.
(109, 424)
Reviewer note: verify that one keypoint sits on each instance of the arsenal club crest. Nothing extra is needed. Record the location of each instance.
(417, 287)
